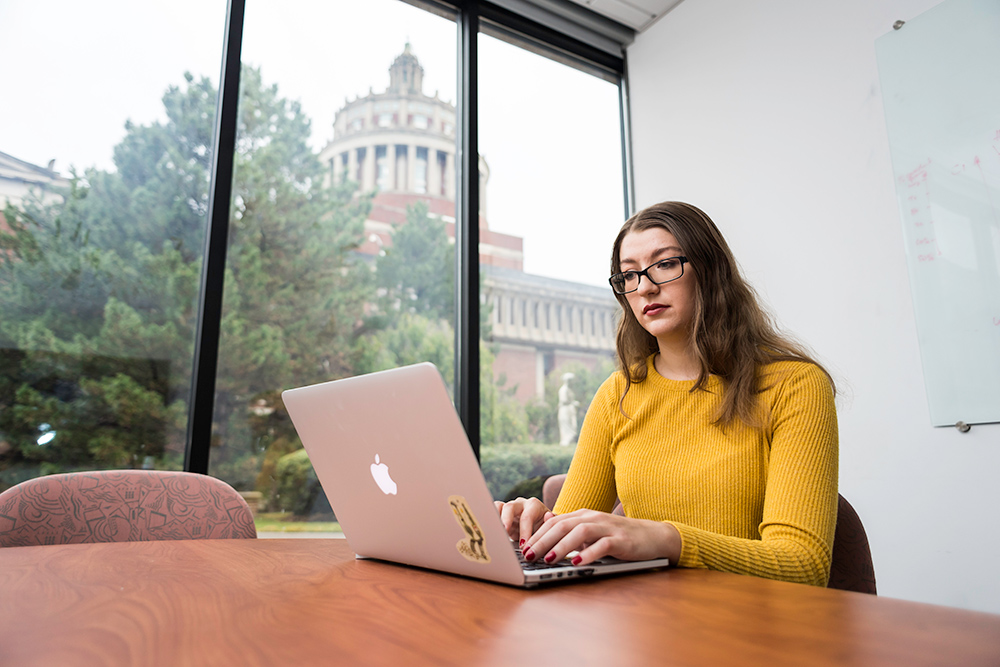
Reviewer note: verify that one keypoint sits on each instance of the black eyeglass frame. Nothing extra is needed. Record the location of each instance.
(645, 272)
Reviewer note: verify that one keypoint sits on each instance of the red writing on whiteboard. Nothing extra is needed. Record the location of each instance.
(926, 258)
(924, 241)
(917, 175)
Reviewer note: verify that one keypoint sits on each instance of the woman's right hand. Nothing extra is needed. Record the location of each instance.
(521, 517)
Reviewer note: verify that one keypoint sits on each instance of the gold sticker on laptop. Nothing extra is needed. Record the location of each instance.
(473, 547)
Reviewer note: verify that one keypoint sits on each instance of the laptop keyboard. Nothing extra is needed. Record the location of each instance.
(539, 564)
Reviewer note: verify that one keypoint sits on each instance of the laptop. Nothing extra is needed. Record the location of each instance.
(400, 474)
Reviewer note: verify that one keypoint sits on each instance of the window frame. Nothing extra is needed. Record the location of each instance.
(516, 21)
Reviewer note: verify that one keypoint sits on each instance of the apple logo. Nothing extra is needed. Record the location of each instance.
(380, 472)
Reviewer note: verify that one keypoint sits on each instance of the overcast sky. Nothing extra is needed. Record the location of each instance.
(548, 132)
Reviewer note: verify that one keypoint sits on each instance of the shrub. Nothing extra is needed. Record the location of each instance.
(299, 491)
(505, 466)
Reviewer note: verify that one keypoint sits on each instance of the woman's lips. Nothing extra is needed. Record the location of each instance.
(653, 309)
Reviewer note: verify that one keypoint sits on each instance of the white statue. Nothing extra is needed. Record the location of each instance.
(567, 411)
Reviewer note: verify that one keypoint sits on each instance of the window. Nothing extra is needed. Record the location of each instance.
(339, 212)
(549, 134)
(100, 275)
(326, 282)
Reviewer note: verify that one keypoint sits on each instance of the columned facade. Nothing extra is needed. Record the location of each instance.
(540, 324)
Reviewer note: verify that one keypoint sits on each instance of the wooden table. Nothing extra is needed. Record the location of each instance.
(309, 602)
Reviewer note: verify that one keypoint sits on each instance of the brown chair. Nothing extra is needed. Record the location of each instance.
(851, 566)
(122, 506)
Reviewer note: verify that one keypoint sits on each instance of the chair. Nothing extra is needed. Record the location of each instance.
(851, 566)
(122, 506)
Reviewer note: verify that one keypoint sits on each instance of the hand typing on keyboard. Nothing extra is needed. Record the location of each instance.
(547, 537)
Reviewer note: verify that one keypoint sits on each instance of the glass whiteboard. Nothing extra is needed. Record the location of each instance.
(940, 76)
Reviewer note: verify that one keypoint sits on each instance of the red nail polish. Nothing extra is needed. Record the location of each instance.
(522, 543)
(550, 556)
(529, 555)
(576, 560)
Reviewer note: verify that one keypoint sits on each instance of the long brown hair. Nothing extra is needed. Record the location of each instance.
(732, 335)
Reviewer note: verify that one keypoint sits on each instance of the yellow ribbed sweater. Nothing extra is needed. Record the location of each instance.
(760, 501)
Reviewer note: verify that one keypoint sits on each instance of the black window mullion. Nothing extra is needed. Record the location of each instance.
(625, 124)
(467, 390)
(206, 351)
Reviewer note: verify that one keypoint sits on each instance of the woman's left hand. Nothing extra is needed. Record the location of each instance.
(598, 534)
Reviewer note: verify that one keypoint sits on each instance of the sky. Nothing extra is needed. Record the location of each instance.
(549, 133)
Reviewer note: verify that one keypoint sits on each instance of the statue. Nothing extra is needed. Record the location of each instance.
(567, 411)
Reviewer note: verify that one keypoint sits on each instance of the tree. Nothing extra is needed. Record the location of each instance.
(99, 292)
(417, 272)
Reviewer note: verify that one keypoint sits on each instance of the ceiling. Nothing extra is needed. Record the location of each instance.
(636, 14)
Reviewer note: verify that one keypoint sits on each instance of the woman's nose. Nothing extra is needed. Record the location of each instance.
(646, 285)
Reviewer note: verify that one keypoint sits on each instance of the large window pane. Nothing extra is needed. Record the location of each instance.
(341, 257)
(550, 135)
(106, 131)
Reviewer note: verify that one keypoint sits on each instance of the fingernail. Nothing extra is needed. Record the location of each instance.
(529, 555)
(550, 556)
(522, 543)
(576, 560)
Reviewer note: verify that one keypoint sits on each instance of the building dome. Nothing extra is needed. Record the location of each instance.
(406, 76)
(401, 144)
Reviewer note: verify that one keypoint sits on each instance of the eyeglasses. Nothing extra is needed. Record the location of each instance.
(664, 271)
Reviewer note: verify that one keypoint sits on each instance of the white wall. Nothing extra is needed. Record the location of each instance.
(768, 115)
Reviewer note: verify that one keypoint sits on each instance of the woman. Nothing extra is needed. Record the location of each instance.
(718, 434)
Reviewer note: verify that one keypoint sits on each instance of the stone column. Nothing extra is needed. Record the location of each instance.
(352, 164)
(390, 156)
(411, 167)
(368, 170)
(433, 173)
(401, 169)
(449, 174)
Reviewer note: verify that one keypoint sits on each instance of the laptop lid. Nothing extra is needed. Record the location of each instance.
(400, 474)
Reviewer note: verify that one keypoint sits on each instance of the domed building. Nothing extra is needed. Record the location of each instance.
(401, 144)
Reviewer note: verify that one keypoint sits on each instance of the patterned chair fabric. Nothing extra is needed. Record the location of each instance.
(122, 506)
(851, 568)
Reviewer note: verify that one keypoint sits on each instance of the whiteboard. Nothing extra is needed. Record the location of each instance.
(940, 77)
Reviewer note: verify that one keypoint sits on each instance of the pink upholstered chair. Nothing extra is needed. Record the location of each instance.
(851, 568)
(122, 506)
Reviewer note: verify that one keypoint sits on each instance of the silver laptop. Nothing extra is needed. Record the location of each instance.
(400, 474)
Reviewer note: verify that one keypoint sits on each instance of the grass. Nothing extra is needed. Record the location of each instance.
(284, 522)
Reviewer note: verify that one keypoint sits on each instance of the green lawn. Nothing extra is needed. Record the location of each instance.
(283, 522)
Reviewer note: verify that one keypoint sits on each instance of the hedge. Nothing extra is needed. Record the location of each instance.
(505, 466)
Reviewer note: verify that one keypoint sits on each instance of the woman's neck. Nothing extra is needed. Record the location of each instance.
(677, 362)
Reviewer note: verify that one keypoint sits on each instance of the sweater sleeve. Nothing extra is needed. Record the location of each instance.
(590, 482)
(800, 501)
